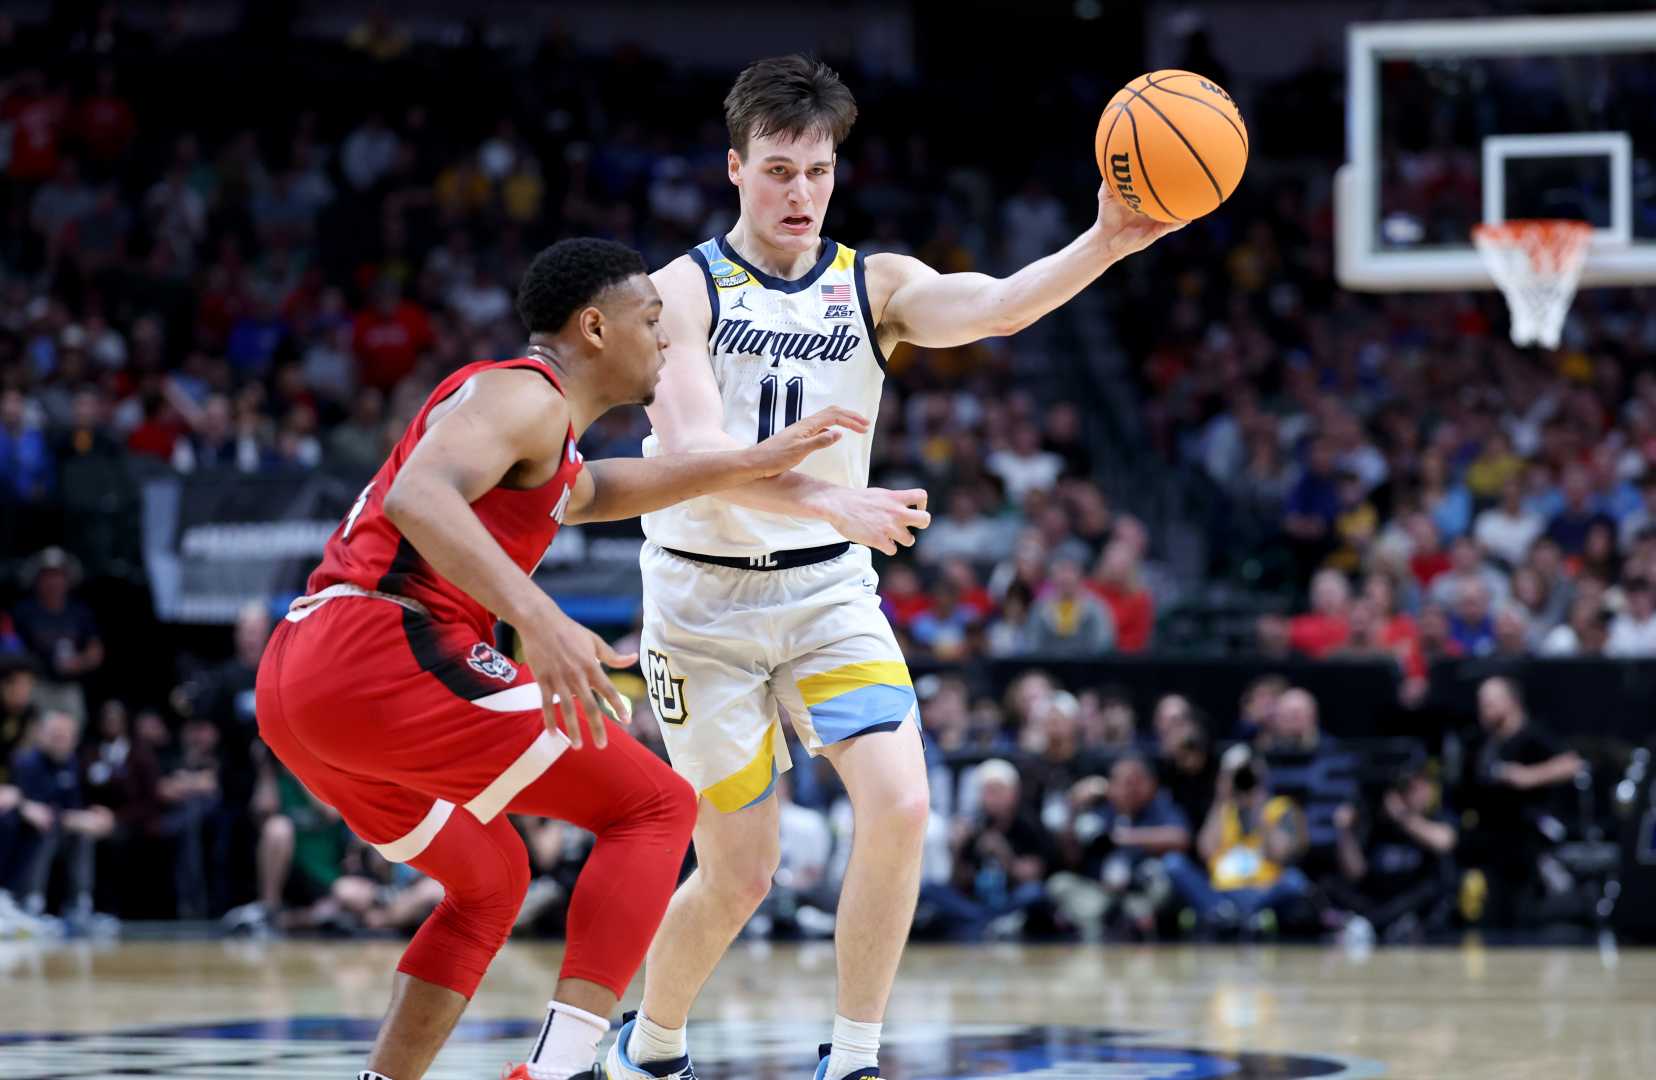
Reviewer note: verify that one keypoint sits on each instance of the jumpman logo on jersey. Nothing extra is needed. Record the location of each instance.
(741, 302)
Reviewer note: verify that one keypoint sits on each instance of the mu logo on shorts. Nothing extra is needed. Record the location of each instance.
(488, 661)
(666, 689)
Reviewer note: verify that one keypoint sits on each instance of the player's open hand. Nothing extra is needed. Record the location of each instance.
(1125, 229)
(801, 439)
(879, 518)
(568, 661)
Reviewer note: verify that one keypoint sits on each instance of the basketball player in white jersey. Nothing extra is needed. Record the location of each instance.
(760, 602)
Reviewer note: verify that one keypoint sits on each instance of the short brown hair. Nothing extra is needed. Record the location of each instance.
(791, 95)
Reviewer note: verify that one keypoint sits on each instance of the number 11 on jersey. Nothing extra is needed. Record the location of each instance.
(792, 410)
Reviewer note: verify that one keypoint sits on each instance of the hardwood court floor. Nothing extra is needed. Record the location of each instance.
(301, 1010)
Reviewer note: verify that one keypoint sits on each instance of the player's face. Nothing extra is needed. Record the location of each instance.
(634, 317)
(785, 185)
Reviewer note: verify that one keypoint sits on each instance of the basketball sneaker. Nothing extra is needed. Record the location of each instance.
(618, 1066)
(867, 1072)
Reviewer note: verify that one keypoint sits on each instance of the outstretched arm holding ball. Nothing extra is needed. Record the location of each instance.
(914, 303)
(1171, 147)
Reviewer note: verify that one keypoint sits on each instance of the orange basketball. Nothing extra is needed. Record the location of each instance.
(1172, 145)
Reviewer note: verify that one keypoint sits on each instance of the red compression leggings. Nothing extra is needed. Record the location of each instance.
(642, 814)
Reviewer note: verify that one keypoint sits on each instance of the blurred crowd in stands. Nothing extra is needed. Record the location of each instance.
(190, 285)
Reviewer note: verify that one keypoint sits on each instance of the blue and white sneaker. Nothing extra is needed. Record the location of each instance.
(618, 1066)
(868, 1072)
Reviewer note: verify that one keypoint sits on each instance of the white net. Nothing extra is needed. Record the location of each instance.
(1536, 265)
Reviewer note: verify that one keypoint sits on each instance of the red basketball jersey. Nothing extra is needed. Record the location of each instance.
(368, 551)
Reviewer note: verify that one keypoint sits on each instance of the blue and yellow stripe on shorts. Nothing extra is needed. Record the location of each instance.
(750, 784)
(859, 698)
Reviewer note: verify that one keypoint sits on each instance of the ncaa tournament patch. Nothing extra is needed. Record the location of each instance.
(726, 274)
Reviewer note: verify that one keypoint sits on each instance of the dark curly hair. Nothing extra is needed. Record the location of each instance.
(568, 276)
(791, 95)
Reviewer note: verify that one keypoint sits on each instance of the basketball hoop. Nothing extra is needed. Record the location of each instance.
(1536, 265)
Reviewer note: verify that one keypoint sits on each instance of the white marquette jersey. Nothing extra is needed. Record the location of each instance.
(780, 350)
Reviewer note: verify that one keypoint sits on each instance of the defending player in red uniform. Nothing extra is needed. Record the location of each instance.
(383, 692)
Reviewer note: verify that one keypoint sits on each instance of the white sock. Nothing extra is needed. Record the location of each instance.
(856, 1046)
(652, 1042)
(568, 1042)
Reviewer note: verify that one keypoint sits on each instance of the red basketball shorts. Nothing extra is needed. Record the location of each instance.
(397, 721)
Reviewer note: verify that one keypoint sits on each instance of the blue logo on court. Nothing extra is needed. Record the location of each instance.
(327, 1047)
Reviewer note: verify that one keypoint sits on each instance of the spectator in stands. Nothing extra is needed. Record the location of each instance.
(1027, 565)
(1427, 559)
(1023, 466)
(1312, 506)
(1266, 483)
(967, 531)
(1292, 725)
(18, 709)
(1599, 557)
(1633, 631)
(1398, 874)
(1466, 563)
(1644, 515)
(358, 445)
(21, 818)
(1107, 721)
(1442, 497)
(1355, 526)
(1585, 633)
(38, 117)
(301, 852)
(389, 337)
(1118, 832)
(1513, 637)
(1318, 632)
(1492, 474)
(1115, 580)
(1258, 706)
(944, 628)
(1515, 771)
(1529, 596)
(59, 630)
(1568, 528)
(60, 203)
(1641, 557)
(368, 152)
(901, 596)
(1010, 633)
(1184, 759)
(223, 696)
(1546, 558)
(1471, 622)
(1054, 757)
(1508, 529)
(48, 772)
(213, 443)
(1068, 620)
(1397, 633)
(1001, 860)
(1062, 434)
(27, 468)
(1436, 641)
(1249, 844)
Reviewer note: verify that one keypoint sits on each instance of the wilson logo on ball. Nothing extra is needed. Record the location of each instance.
(1122, 170)
(1210, 88)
